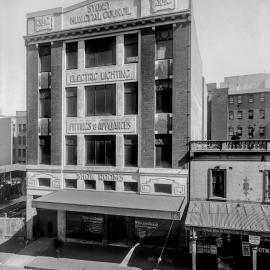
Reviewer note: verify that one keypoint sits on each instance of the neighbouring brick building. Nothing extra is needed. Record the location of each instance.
(114, 95)
(239, 108)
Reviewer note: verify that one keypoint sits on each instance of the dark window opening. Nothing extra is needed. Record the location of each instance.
(71, 102)
(44, 182)
(90, 184)
(262, 114)
(250, 132)
(163, 145)
(131, 48)
(164, 43)
(71, 150)
(109, 185)
(163, 188)
(45, 103)
(72, 55)
(262, 131)
(131, 186)
(45, 58)
(100, 100)
(218, 183)
(250, 114)
(71, 183)
(131, 98)
(131, 150)
(45, 149)
(164, 96)
(100, 150)
(100, 52)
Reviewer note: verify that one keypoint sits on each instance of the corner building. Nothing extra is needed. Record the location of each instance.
(114, 94)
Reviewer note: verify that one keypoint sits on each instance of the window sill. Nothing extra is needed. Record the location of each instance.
(213, 198)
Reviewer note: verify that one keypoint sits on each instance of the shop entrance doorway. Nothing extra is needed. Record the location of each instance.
(117, 230)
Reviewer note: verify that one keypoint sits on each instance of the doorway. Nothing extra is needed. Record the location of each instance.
(117, 230)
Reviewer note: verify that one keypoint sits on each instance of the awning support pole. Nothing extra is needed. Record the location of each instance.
(193, 239)
(254, 257)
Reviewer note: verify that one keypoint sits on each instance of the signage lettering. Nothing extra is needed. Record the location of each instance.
(158, 5)
(44, 23)
(100, 177)
(99, 75)
(99, 11)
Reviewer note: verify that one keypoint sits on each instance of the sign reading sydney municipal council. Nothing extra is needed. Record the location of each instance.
(117, 124)
(102, 74)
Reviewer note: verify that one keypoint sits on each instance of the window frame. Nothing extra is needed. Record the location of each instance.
(160, 41)
(44, 186)
(250, 99)
(231, 129)
(162, 136)
(70, 53)
(46, 65)
(107, 182)
(126, 183)
(71, 180)
(239, 100)
(74, 148)
(239, 115)
(231, 100)
(262, 113)
(48, 138)
(266, 187)
(44, 101)
(131, 92)
(210, 184)
(231, 115)
(260, 129)
(133, 59)
(92, 181)
(71, 93)
(164, 108)
(262, 97)
(251, 116)
(160, 185)
(133, 138)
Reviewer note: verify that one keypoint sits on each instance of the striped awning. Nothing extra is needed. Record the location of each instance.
(230, 217)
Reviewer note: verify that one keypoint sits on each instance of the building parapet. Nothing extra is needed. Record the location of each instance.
(230, 146)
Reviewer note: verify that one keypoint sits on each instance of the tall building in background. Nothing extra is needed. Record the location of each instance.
(114, 95)
(239, 108)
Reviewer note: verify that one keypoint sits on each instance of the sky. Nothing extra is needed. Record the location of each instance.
(233, 38)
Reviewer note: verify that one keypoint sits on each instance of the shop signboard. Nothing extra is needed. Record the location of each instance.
(254, 240)
(144, 228)
(245, 249)
(93, 224)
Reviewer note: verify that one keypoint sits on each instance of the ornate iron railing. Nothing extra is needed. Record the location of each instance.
(233, 145)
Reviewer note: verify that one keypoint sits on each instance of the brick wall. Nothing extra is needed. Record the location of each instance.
(32, 104)
(148, 97)
(181, 100)
(56, 105)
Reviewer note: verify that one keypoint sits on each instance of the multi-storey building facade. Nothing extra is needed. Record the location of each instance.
(228, 213)
(114, 94)
(240, 108)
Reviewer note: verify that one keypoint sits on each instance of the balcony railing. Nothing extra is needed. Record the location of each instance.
(233, 145)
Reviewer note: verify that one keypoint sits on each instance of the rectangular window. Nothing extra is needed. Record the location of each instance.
(71, 102)
(250, 132)
(250, 114)
(239, 114)
(100, 100)
(262, 131)
(163, 188)
(131, 150)
(44, 182)
(24, 127)
(218, 185)
(267, 186)
(131, 48)
(20, 140)
(250, 99)
(164, 43)
(164, 96)
(163, 146)
(231, 100)
(262, 97)
(24, 140)
(45, 58)
(231, 131)
(45, 103)
(20, 127)
(231, 115)
(70, 183)
(71, 150)
(131, 98)
(131, 186)
(45, 149)
(109, 185)
(239, 131)
(239, 99)
(90, 184)
(20, 152)
(100, 52)
(72, 55)
(100, 150)
(262, 114)
(24, 153)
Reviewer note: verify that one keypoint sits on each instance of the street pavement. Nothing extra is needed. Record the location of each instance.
(40, 254)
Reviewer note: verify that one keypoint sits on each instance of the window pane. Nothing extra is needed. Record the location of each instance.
(218, 183)
(164, 43)
(71, 104)
(109, 185)
(45, 103)
(90, 100)
(45, 58)
(71, 150)
(163, 150)
(45, 149)
(163, 188)
(131, 186)
(70, 183)
(100, 52)
(90, 184)
(72, 55)
(131, 98)
(164, 96)
(131, 150)
(131, 48)
(44, 182)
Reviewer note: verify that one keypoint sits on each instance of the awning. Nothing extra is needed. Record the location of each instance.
(230, 217)
(113, 203)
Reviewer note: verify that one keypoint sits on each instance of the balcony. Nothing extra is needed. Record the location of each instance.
(230, 146)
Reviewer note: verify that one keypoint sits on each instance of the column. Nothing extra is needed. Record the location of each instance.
(80, 149)
(254, 256)
(119, 145)
(120, 50)
(120, 96)
(81, 49)
(105, 230)
(193, 239)
(61, 225)
(30, 214)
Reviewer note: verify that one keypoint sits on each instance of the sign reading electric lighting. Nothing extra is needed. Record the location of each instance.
(102, 75)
